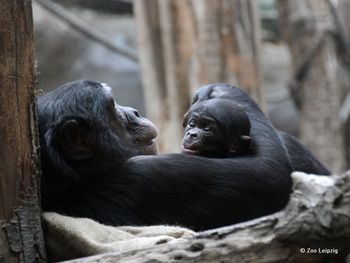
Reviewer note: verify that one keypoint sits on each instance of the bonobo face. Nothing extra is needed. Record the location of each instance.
(135, 133)
(137, 130)
(216, 127)
(87, 132)
(203, 136)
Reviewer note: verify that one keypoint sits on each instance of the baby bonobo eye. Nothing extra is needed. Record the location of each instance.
(207, 128)
(191, 124)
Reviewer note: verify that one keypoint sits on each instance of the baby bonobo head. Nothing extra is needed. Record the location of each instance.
(216, 128)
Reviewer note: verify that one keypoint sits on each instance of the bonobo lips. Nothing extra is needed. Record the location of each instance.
(190, 149)
(145, 137)
(148, 136)
(148, 147)
(145, 142)
(148, 143)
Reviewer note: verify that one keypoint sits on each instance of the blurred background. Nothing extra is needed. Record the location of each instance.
(291, 56)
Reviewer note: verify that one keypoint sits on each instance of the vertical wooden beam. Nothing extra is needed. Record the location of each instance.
(150, 52)
(21, 238)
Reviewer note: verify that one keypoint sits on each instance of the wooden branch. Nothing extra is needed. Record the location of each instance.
(303, 67)
(313, 227)
(86, 30)
(340, 36)
(105, 6)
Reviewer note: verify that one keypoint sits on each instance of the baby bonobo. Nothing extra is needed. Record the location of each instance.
(216, 128)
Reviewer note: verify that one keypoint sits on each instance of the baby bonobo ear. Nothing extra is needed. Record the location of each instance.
(186, 116)
(241, 147)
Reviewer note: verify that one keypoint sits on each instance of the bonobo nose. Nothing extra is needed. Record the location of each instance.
(192, 134)
(132, 112)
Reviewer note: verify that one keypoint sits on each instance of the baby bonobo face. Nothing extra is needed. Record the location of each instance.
(216, 128)
(203, 136)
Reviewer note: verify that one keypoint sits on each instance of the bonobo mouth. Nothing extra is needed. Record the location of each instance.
(146, 135)
(143, 142)
(147, 142)
(148, 147)
(190, 150)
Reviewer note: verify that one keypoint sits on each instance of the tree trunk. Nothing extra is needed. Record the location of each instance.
(21, 238)
(187, 43)
(343, 20)
(344, 9)
(308, 25)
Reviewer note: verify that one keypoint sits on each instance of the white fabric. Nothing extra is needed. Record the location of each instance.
(68, 237)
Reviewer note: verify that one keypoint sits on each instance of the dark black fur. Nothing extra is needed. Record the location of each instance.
(301, 158)
(86, 144)
(216, 128)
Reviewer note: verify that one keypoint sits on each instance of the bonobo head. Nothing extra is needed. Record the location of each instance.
(85, 133)
(211, 91)
(216, 128)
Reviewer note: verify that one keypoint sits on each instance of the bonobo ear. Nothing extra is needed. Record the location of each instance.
(242, 146)
(195, 99)
(186, 116)
(73, 138)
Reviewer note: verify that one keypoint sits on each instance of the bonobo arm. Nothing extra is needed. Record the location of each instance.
(208, 193)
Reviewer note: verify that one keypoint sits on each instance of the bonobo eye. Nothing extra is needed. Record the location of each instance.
(137, 114)
(191, 124)
(207, 128)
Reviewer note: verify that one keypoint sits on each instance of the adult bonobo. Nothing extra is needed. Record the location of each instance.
(87, 141)
(85, 135)
(301, 158)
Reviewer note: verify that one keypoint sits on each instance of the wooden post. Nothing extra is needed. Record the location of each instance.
(187, 43)
(21, 238)
(307, 25)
